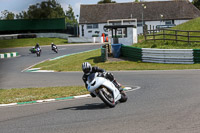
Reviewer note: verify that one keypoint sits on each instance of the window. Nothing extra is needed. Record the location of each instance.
(139, 24)
(89, 26)
(95, 26)
(168, 22)
(92, 26)
(119, 33)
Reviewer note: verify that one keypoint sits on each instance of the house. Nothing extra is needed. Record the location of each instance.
(93, 18)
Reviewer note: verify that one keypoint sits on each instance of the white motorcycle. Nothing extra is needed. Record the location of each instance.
(55, 49)
(105, 89)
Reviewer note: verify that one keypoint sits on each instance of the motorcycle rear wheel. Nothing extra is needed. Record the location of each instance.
(107, 97)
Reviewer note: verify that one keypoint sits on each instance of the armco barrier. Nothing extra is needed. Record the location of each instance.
(170, 56)
(131, 53)
(9, 55)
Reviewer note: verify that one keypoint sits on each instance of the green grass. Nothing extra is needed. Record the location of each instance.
(31, 94)
(30, 42)
(74, 62)
(192, 25)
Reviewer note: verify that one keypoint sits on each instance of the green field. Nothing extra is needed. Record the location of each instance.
(30, 42)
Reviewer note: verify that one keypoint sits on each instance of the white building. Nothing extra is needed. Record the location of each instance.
(93, 18)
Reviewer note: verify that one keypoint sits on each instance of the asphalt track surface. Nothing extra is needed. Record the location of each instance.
(167, 102)
(12, 77)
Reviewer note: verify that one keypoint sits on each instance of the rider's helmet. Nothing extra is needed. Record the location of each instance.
(37, 45)
(87, 68)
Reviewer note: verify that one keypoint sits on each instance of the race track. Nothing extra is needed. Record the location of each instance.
(11, 75)
(167, 102)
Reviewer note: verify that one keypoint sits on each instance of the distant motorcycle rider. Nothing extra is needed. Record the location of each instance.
(53, 46)
(37, 46)
(88, 69)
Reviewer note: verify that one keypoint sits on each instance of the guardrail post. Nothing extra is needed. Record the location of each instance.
(104, 53)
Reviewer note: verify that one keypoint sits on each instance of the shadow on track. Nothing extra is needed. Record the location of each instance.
(94, 106)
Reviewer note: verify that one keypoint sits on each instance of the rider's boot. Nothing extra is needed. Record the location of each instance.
(118, 85)
(92, 95)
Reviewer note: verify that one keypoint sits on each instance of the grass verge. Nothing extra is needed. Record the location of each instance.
(30, 42)
(192, 25)
(31, 94)
(74, 62)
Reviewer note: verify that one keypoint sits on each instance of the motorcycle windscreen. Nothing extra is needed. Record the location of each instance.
(91, 77)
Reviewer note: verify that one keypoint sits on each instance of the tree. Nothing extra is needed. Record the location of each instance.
(106, 1)
(43, 10)
(6, 15)
(196, 3)
(22, 15)
(70, 18)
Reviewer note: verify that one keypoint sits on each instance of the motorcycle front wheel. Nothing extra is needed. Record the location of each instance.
(107, 97)
(123, 97)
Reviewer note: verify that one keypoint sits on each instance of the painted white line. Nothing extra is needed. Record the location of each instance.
(82, 96)
(33, 65)
(46, 100)
(3, 105)
(127, 89)
(34, 69)
(43, 71)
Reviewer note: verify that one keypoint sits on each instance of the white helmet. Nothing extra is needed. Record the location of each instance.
(86, 67)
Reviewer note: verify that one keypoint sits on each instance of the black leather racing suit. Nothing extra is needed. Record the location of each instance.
(94, 69)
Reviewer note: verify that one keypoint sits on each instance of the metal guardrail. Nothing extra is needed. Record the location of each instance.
(169, 56)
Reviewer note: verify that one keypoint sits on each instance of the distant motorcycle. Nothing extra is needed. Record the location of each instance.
(38, 52)
(55, 49)
(32, 50)
(105, 89)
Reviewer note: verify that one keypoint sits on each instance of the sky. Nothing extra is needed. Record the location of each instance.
(17, 6)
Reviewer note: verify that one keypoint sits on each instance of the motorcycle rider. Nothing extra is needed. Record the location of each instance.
(53, 45)
(88, 69)
(37, 46)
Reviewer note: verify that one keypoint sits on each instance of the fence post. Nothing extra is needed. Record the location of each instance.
(154, 35)
(188, 33)
(176, 35)
(164, 35)
(150, 29)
